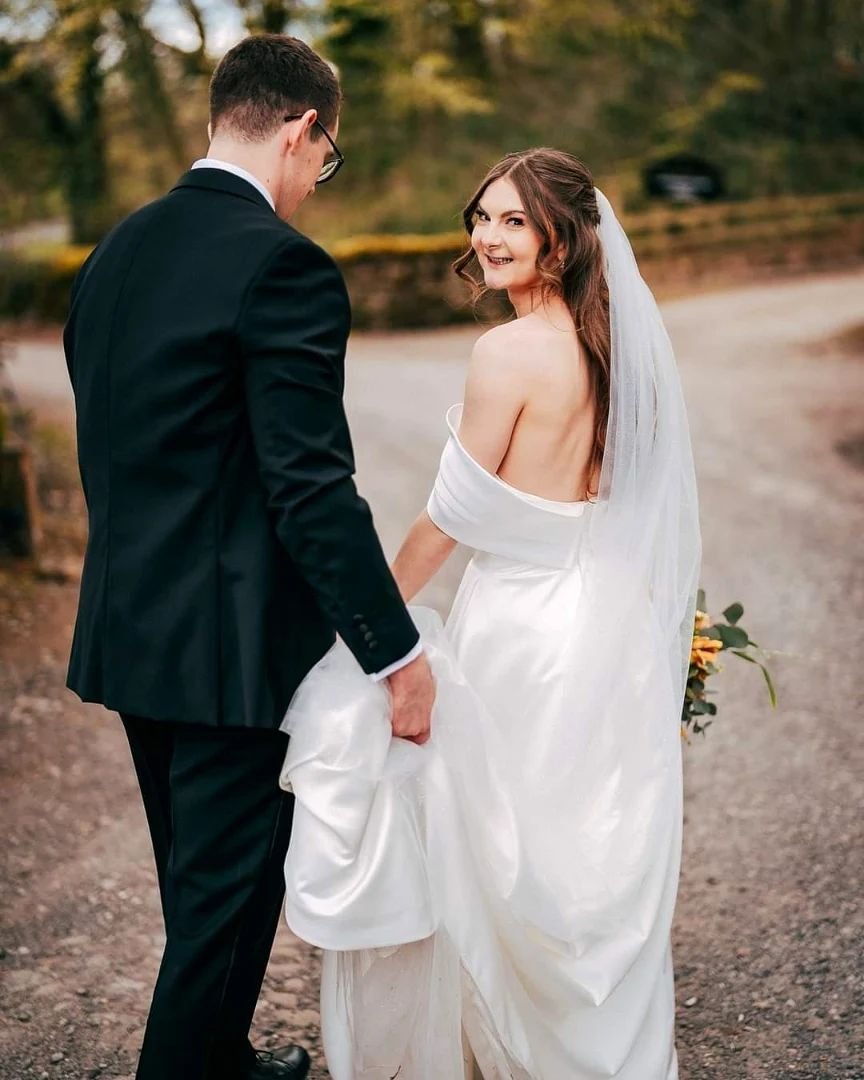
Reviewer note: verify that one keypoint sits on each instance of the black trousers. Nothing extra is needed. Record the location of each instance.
(220, 827)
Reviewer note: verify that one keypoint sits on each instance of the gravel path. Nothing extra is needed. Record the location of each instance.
(768, 937)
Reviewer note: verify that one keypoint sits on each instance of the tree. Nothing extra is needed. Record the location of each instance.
(61, 63)
(96, 95)
(62, 77)
(144, 72)
(269, 16)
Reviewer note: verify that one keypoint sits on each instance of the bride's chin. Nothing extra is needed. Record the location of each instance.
(493, 279)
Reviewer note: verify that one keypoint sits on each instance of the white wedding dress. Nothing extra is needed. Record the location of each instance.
(505, 893)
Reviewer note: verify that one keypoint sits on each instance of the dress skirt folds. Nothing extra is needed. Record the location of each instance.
(508, 887)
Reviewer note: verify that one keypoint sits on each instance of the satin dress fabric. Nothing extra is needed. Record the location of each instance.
(501, 898)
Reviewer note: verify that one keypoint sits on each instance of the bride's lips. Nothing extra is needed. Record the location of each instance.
(494, 260)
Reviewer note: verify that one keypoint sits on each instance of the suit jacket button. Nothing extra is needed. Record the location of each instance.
(357, 618)
(373, 645)
(369, 636)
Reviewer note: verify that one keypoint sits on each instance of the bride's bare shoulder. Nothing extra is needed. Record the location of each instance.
(507, 334)
(506, 346)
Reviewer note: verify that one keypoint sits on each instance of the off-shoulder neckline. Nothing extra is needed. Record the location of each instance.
(571, 509)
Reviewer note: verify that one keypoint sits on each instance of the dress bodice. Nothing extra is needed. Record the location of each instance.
(482, 511)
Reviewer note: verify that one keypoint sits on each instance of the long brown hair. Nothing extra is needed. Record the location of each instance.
(557, 191)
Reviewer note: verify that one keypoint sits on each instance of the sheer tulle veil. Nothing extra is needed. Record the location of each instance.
(644, 528)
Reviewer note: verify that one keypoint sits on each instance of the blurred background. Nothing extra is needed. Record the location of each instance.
(730, 136)
(753, 112)
(103, 105)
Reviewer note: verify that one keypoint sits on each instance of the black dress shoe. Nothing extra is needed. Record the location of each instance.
(287, 1063)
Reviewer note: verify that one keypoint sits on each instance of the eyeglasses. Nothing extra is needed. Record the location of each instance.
(333, 164)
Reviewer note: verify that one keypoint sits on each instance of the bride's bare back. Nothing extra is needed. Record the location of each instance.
(529, 409)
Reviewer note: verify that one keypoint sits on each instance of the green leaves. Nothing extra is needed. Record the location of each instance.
(772, 693)
(731, 637)
(733, 613)
(703, 708)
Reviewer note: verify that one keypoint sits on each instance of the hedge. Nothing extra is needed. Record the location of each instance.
(406, 280)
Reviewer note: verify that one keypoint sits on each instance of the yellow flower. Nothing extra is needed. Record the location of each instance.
(704, 650)
(702, 620)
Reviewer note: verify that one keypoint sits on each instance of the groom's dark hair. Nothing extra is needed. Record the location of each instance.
(267, 77)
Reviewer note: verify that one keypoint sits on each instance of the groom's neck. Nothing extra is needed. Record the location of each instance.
(259, 159)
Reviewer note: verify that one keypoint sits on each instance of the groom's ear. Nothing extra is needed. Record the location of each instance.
(294, 131)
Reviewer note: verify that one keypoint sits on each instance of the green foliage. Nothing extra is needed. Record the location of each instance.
(733, 613)
(36, 288)
(772, 692)
(268, 16)
(98, 112)
(80, 80)
(774, 90)
(710, 639)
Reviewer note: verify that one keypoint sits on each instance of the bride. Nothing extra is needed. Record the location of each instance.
(499, 901)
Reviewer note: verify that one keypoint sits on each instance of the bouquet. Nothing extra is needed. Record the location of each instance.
(710, 638)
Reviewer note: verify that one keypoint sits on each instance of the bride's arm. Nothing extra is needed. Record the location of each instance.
(495, 393)
(423, 552)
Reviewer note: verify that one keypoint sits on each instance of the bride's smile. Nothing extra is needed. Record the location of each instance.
(505, 240)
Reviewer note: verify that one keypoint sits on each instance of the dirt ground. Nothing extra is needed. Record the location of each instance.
(770, 920)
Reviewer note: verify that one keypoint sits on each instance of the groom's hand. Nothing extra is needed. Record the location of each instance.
(412, 689)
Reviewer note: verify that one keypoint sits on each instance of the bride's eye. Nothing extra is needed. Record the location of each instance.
(515, 221)
(479, 215)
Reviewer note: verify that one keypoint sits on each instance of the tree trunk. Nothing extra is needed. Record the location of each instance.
(275, 16)
(20, 531)
(269, 16)
(361, 38)
(87, 186)
(153, 105)
(469, 53)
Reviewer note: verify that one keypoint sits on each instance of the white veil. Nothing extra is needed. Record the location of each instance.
(650, 517)
(644, 528)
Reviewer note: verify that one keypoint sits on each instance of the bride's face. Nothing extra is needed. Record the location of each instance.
(506, 242)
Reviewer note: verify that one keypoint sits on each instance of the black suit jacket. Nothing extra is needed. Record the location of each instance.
(227, 543)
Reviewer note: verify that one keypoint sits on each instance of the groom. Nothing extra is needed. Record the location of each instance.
(228, 544)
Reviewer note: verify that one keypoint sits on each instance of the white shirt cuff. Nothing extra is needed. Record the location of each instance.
(415, 652)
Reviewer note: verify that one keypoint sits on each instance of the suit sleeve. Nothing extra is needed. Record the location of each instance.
(69, 328)
(293, 331)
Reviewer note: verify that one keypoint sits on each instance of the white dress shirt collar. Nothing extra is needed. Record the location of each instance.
(244, 174)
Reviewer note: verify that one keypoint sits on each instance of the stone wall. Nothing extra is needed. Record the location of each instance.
(407, 281)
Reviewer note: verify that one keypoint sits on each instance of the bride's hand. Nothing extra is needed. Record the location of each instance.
(412, 689)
